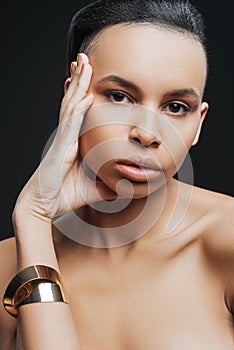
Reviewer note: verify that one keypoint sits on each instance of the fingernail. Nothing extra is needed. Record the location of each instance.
(84, 57)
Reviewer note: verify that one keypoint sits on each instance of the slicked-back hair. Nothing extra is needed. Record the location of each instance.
(178, 15)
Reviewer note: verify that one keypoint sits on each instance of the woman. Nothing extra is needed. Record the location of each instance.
(112, 252)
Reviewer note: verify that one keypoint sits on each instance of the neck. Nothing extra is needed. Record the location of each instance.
(122, 222)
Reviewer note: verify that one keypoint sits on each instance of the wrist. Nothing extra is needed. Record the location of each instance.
(24, 208)
(33, 284)
(34, 239)
(28, 223)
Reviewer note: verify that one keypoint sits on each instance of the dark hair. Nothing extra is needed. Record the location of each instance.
(178, 15)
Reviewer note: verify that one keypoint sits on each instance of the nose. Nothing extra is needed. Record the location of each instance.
(146, 127)
(144, 137)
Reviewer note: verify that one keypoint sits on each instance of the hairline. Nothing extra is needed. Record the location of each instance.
(90, 43)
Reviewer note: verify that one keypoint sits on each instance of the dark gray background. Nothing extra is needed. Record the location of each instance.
(33, 41)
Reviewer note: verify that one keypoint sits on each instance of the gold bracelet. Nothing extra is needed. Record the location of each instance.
(42, 292)
(24, 283)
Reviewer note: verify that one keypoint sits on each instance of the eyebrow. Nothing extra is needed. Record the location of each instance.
(129, 85)
(121, 82)
(183, 92)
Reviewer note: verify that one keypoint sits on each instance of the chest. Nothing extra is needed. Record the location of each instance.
(148, 305)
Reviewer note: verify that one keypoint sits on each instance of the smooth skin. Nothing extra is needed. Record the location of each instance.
(162, 291)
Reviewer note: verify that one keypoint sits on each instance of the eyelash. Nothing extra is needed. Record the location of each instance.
(180, 105)
(113, 93)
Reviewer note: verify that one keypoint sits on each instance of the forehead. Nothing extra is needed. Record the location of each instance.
(149, 53)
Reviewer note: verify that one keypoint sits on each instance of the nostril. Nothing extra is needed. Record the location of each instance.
(155, 143)
(144, 137)
(136, 139)
(152, 144)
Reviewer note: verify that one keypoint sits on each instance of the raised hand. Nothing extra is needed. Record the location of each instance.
(59, 184)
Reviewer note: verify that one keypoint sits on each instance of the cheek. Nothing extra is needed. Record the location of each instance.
(177, 139)
(101, 123)
(89, 140)
(178, 134)
(90, 150)
(90, 144)
(102, 144)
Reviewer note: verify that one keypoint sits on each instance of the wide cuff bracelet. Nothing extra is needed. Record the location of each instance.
(24, 288)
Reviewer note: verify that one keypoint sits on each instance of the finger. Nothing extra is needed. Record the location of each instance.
(73, 67)
(76, 69)
(69, 128)
(82, 57)
(83, 84)
(72, 82)
(70, 103)
(71, 106)
(72, 124)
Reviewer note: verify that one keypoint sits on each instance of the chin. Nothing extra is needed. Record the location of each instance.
(135, 190)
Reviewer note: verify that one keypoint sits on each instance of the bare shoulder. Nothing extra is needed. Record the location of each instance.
(218, 238)
(218, 210)
(8, 269)
(7, 258)
(211, 198)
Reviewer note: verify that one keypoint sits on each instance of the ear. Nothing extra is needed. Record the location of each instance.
(66, 85)
(204, 110)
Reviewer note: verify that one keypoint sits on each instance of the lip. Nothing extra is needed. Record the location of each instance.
(138, 169)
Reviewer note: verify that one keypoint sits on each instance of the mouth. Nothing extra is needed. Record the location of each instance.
(138, 170)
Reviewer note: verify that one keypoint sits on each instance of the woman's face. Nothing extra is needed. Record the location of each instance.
(148, 84)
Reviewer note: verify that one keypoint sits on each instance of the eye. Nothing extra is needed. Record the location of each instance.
(176, 108)
(118, 96)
